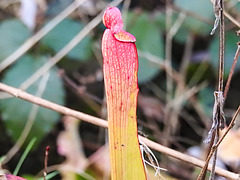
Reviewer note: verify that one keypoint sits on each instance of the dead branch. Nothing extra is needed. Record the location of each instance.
(103, 123)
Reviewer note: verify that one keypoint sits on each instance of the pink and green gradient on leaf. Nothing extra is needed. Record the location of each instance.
(120, 65)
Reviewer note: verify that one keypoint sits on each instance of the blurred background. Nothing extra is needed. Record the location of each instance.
(178, 73)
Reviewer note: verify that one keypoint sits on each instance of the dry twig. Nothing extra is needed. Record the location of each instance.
(231, 71)
(35, 38)
(66, 49)
(32, 115)
(45, 163)
(215, 146)
(102, 123)
(234, 21)
(218, 117)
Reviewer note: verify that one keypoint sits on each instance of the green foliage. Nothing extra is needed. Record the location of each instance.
(191, 24)
(13, 33)
(202, 9)
(2, 158)
(159, 19)
(149, 40)
(206, 99)
(233, 5)
(147, 27)
(55, 7)
(230, 50)
(15, 112)
(62, 34)
(197, 73)
(27, 150)
(49, 176)
(181, 34)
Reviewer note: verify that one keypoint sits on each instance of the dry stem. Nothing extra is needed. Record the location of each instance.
(218, 114)
(66, 49)
(30, 120)
(214, 147)
(102, 123)
(45, 163)
(234, 21)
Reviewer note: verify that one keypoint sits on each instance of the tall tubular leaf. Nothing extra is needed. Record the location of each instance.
(120, 64)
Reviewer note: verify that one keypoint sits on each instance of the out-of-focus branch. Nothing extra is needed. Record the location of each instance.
(231, 71)
(36, 37)
(66, 49)
(102, 123)
(234, 21)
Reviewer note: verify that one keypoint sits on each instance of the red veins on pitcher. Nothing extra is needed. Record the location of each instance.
(120, 65)
(119, 50)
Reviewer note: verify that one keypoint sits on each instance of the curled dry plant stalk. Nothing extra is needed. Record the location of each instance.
(219, 121)
(152, 158)
(216, 145)
(218, 114)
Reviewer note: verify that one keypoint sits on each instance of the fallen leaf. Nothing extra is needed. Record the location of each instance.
(70, 145)
(229, 148)
(100, 162)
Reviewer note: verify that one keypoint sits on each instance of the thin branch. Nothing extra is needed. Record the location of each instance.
(69, 168)
(186, 158)
(186, 94)
(175, 75)
(168, 51)
(81, 91)
(126, 5)
(45, 163)
(231, 71)
(32, 115)
(186, 55)
(234, 21)
(160, 62)
(66, 49)
(50, 105)
(189, 13)
(214, 147)
(222, 48)
(177, 24)
(35, 38)
(230, 126)
(214, 163)
(171, 30)
(221, 122)
(218, 116)
(103, 123)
